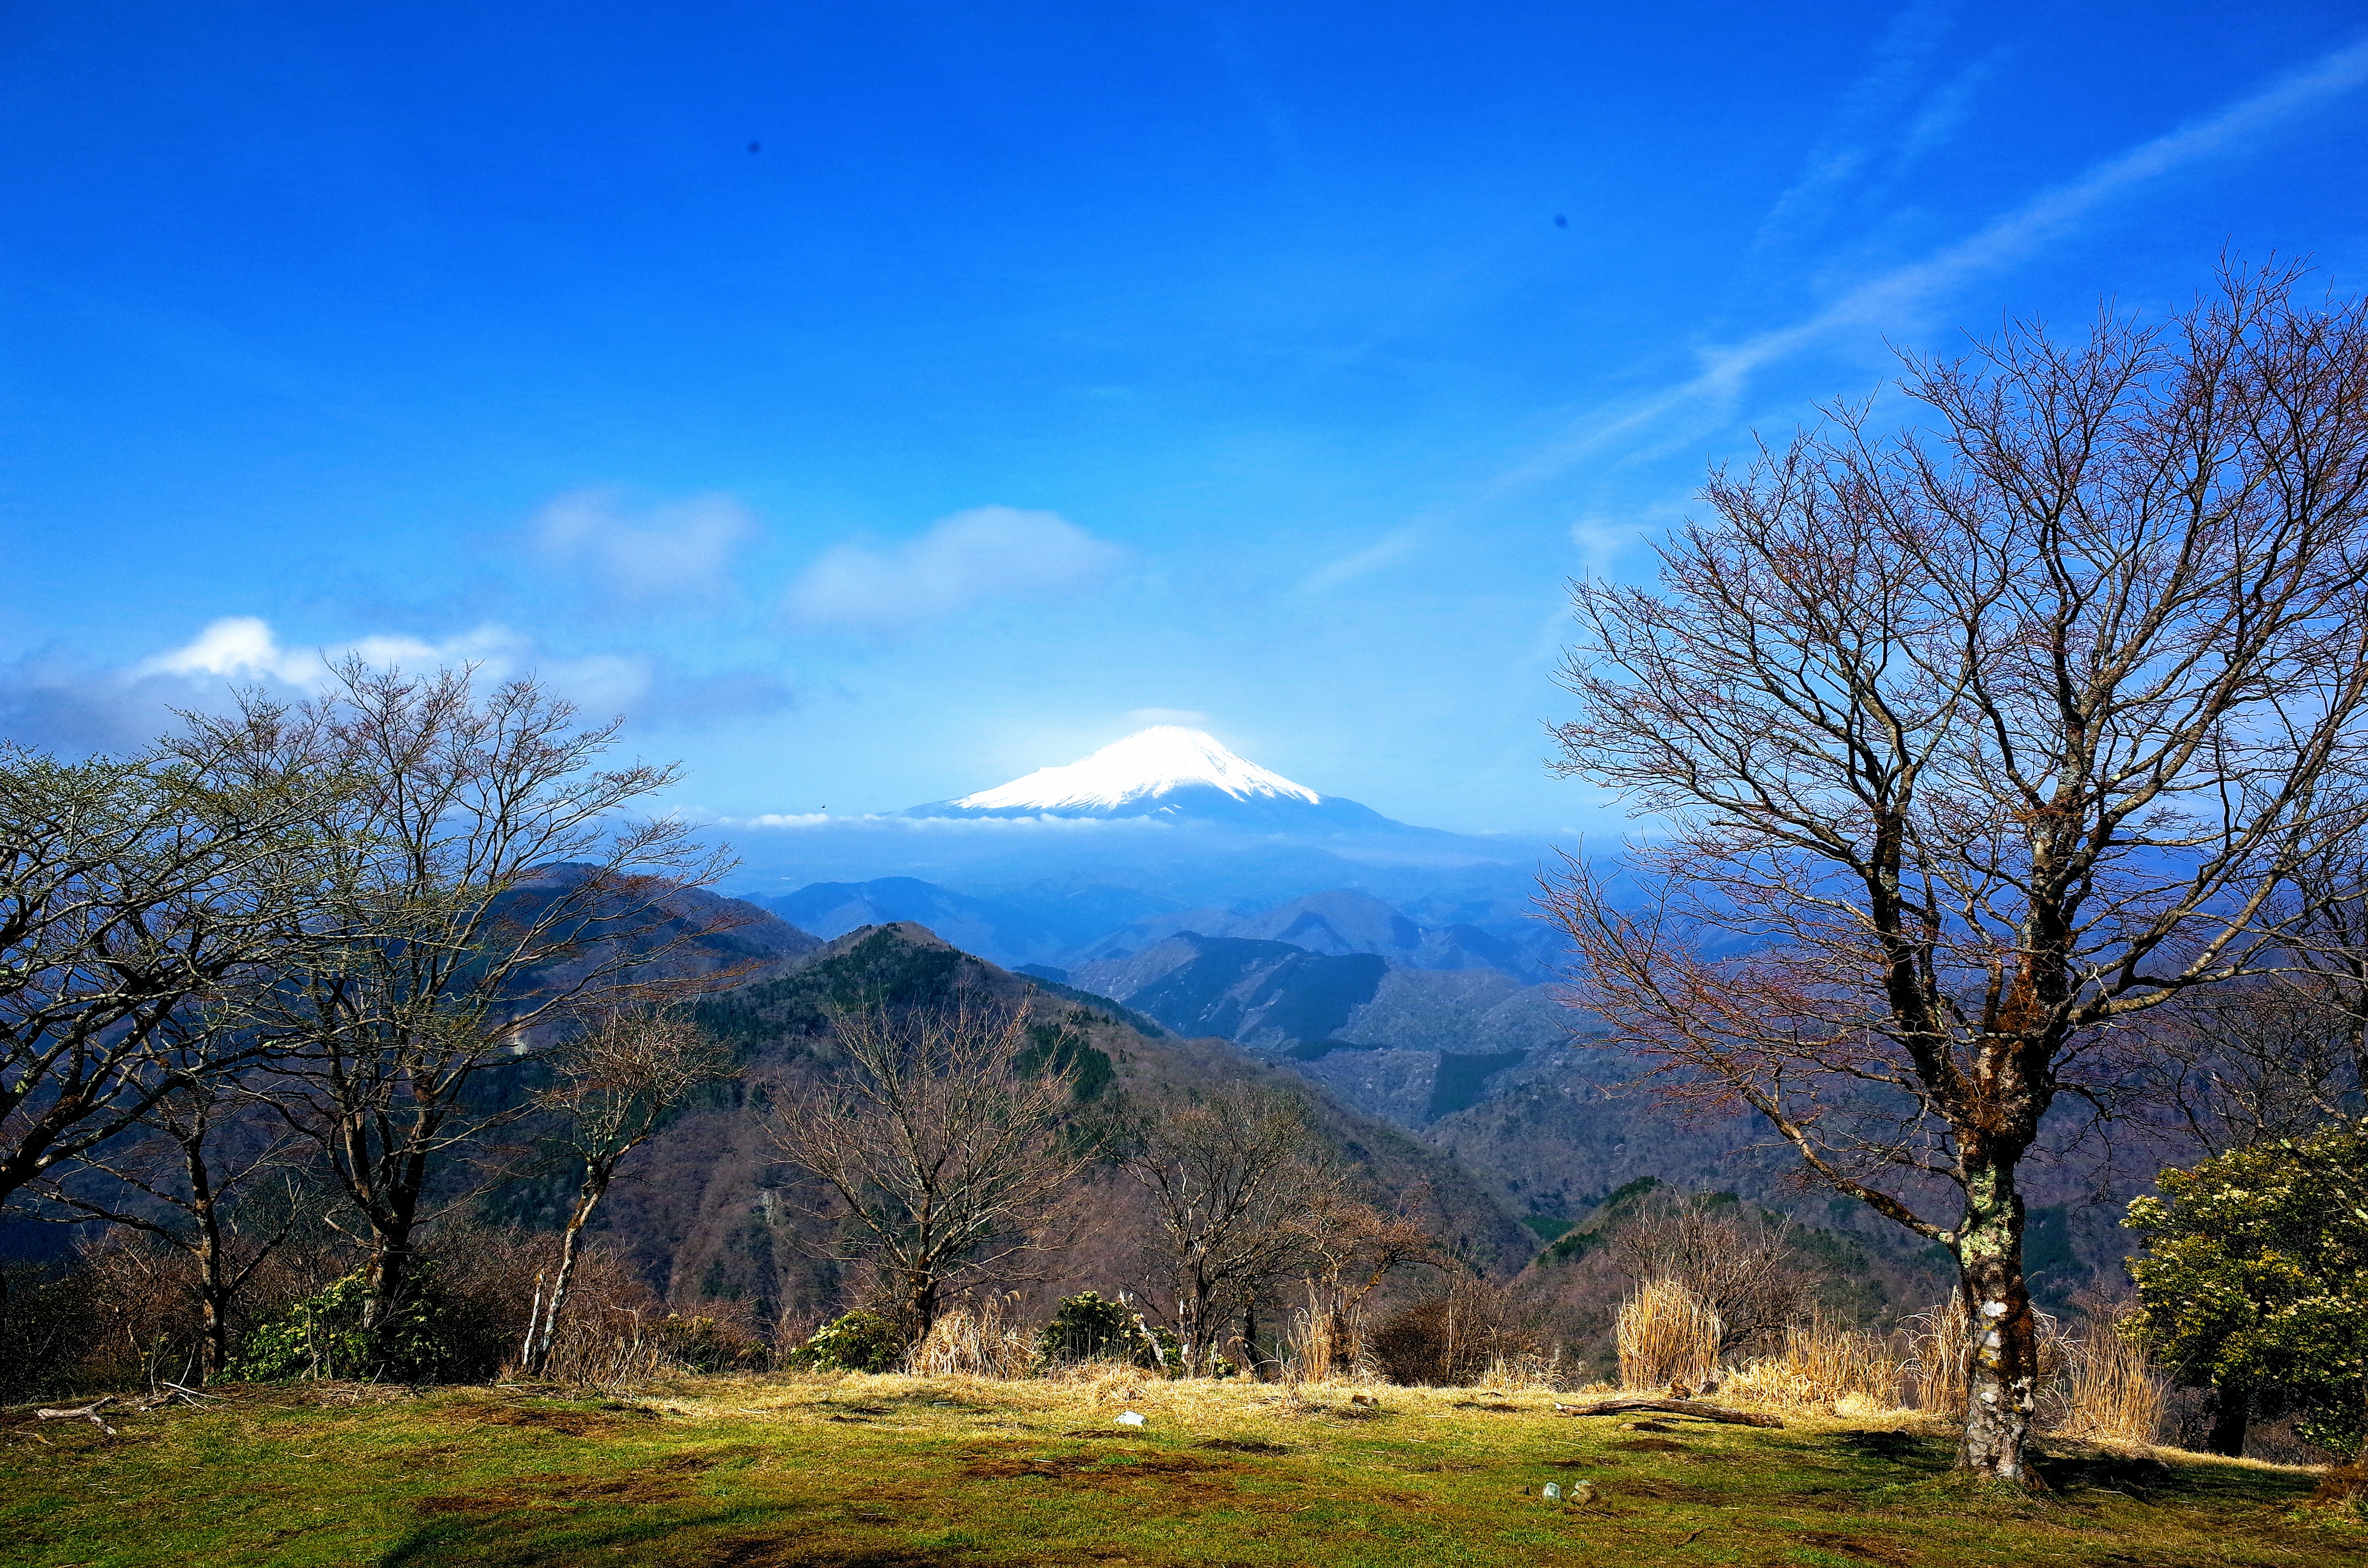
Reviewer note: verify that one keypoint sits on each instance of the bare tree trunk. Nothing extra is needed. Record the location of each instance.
(213, 1297)
(585, 1199)
(2003, 1380)
(391, 1262)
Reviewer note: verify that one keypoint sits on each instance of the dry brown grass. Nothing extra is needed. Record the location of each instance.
(2091, 1385)
(1823, 1366)
(1667, 1335)
(973, 1341)
(1940, 1348)
(2110, 1391)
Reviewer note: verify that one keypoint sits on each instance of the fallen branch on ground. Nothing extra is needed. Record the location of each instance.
(89, 1413)
(1693, 1407)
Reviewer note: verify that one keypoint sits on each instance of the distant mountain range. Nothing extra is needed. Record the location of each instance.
(1400, 972)
(1168, 814)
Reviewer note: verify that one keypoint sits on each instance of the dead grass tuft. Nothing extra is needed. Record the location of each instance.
(1667, 1335)
(2110, 1392)
(1823, 1366)
(975, 1342)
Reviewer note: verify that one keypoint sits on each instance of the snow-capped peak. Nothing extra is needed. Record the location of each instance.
(1149, 763)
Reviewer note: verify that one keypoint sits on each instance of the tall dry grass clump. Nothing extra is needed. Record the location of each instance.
(1667, 1335)
(2110, 1391)
(1324, 1345)
(973, 1342)
(2091, 1385)
(1825, 1364)
(1939, 1357)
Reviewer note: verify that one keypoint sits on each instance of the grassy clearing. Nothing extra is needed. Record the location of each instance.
(900, 1472)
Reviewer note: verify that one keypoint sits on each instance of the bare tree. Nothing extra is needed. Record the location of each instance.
(1739, 1266)
(179, 1176)
(477, 887)
(2330, 936)
(610, 1088)
(130, 892)
(2248, 1063)
(1353, 1247)
(940, 1138)
(1977, 743)
(1239, 1196)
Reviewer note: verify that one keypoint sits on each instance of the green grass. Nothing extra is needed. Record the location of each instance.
(798, 1472)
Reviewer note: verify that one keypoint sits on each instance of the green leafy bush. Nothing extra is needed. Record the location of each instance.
(1087, 1328)
(2255, 1280)
(862, 1341)
(322, 1336)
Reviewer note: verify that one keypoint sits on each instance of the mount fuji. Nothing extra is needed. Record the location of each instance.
(1176, 774)
(1166, 819)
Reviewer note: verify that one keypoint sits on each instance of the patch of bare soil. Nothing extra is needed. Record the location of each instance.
(1195, 1479)
(1672, 1492)
(775, 1551)
(645, 1486)
(1868, 1548)
(1480, 1405)
(570, 1422)
(1651, 1446)
(2344, 1484)
(1239, 1446)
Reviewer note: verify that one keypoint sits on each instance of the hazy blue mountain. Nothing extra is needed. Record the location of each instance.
(1342, 920)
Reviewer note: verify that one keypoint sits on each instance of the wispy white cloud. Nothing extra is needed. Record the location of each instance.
(1866, 113)
(680, 549)
(1358, 562)
(1942, 110)
(1601, 540)
(1889, 298)
(984, 554)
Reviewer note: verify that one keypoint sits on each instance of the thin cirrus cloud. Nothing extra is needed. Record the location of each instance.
(679, 550)
(1889, 86)
(1890, 297)
(985, 555)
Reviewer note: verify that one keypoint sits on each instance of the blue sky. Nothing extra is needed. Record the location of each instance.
(1045, 369)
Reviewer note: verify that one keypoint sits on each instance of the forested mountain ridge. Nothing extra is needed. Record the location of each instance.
(711, 1213)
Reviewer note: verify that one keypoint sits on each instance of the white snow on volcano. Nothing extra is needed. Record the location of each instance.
(1145, 766)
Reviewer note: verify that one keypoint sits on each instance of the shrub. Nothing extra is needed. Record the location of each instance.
(1086, 1328)
(862, 1341)
(1451, 1340)
(2255, 1283)
(710, 1345)
(322, 1336)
